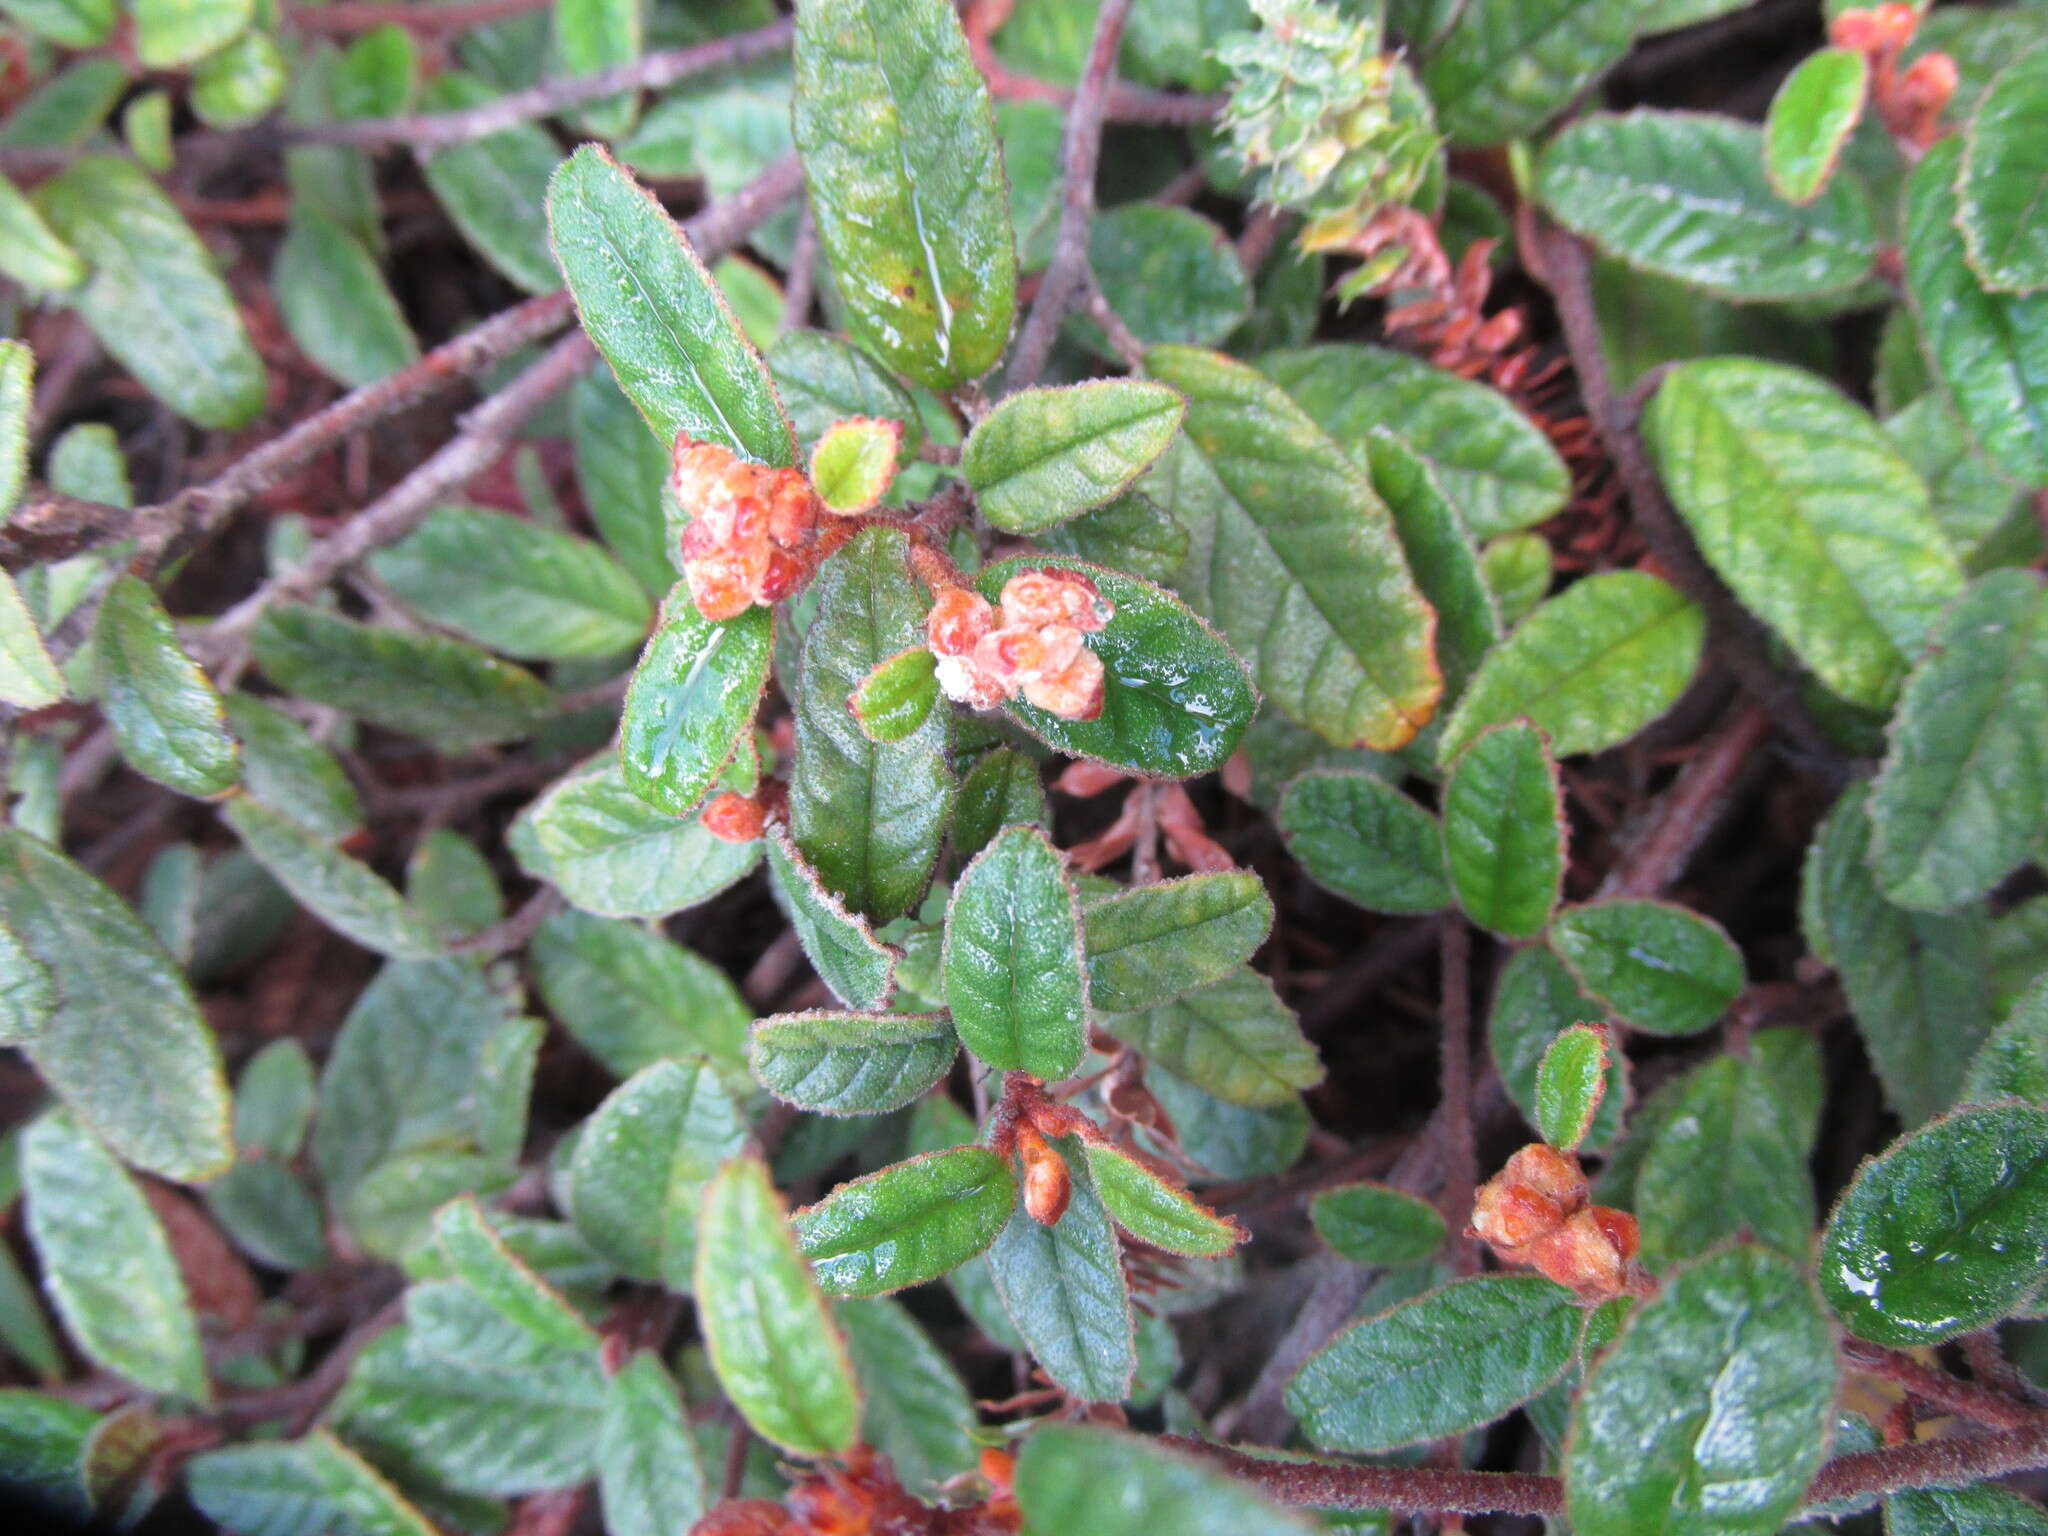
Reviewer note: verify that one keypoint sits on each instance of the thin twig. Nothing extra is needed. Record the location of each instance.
(1406, 1489)
(351, 16)
(1460, 1151)
(1926, 1382)
(1691, 808)
(800, 283)
(504, 937)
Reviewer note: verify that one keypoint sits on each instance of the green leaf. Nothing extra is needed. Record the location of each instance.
(1943, 1231)
(918, 1413)
(1044, 455)
(296, 1488)
(169, 33)
(478, 1255)
(29, 679)
(28, 996)
(1650, 1452)
(1449, 1361)
(1963, 792)
(154, 299)
(1440, 553)
(1064, 1289)
(1233, 1038)
(1376, 1224)
(67, 23)
(2013, 1063)
(1984, 1510)
(894, 699)
(1170, 274)
(1508, 66)
(33, 256)
(284, 768)
(1013, 973)
(636, 1180)
(1988, 351)
(1504, 831)
(1658, 966)
(1918, 983)
(1498, 470)
(1806, 510)
(656, 315)
(2004, 176)
(1305, 576)
(68, 108)
(1589, 668)
(1002, 790)
(127, 1049)
(824, 380)
(42, 1445)
(899, 148)
(450, 695)
(622, 469)
(1176, 700)
(274, 1100)
(648, 1477)
(1972, 500)
(1686, 196)
(610, 852)
(907, 1223)
(271, 1215)
(348, 896)
(494, 188)
(854, 461)
(1230, 1141)
(1156, 1211)
(1571, 1080)
(514, 586)
(840, 945)
(235, 85)
(692, 699)
(869, 816)
(1361, 837)
(1154, 943)
(1811, 118)
(1065, 1470)
(106, 1262)
(632, 998)
(377, 74)
(1132, 533)
(834, 1063)
(162, 709)
(17, 400)
(590, 35)
(775, 1348)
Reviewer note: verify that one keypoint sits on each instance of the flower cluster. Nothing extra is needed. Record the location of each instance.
(1030, 643)
(753, 531)
(1909, 102)
(1535, 1212)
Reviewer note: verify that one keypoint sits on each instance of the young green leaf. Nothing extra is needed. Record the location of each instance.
(1013, 972)
(649, 1480)
(1044, 455)
(1589, 668)
(33, 256)
(162, 709)
(1570, 1083)
(1504, 831)
(1176, 699)
(1280, 566)
(494, 188)
(590, 35)
(899, 149)
(1361, 837)
(1065, 1468)
(1234, 1038)
(2013, 1063)
(67, 23)
(907, 1223)
(29, 679)
(1659, 967)
(274, 1100)
(1156, 1211)
(1157, 942)
(894, 699)
(691, 701)
(842, 948)
(235, 85)
(1377, 1224)
(656, 315)
(107, 1264)
(1509, 65)
(1644, 1453)
(478, 1255)
(343, 893)
(1451, 1360)
(774, 1345)
(636, 1179)
(1806, 510)
(1810, 121)
(267, 1485)
(169, 33)
(2004, 176)
(854, 461)
(852, 1063)
(1942, 1232)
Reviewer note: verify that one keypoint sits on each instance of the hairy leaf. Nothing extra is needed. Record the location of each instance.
(1013, 973)
(1509, 65)
(2004, 177)
(840, 945)
(1234, 1038)
(1043, 455)
(692, 699)
(852, 1063)
(1810, 121)
(162, 709)
(1361, 837)
(1660, 967)
(1504, 831)
(1376, 1224)
(907, 1223)
(1156, 942)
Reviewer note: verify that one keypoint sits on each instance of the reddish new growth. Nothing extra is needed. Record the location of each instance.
(1030, 644)
(865, 1499)
(734, 818)
(1909, 103)
(753, 531)
(1535, 1212)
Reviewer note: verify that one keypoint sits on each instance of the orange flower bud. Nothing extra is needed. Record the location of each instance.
(959, 618)
(748, 1517)
(1551, 1173)
(733, 818)
(1034, 599)
(1582, 1255)
(1075, 693)
(1047, 1184)
(1511, 1216)
(1621, 1230)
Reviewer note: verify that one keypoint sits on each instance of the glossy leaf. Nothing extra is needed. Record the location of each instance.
(1686, 196)
(343, 893)
(1043, 455)
(1361, 837)
(1234, 1038)
(153, 298)
(1649, 1451)
(1449, 1361)
(852, 1063)
(106, 1262)
(1504, 831)
(1176, 699)
(1013, 958)
(1132, 533)
(33, 256)
(1660, 967)
(840, 945)
(657, 316)
(775, 1348)
(2003, 178)
(692, 699)
(868, 816)
(1810, 121)
(649, 1480)
(1001, 790)
(1067, 1471)
(162, 709)
(1570, 1082)
(1589, 668)
(311, 1484)
(1806, 510)
(1305, 576)
(899, 148)
(1155, 1210)
(1943, 1232)
(1376, 1224)
(287, 770)
(1156, 942)
(126, 1049)
(907, 1223)
(854, 461)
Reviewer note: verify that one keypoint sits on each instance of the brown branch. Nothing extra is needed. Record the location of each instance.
(512, 933)
(1938, 1387)
(351, 16)
(1410, 1490)
(800, 282)
(1460, 1150)
(1930, 1463)
(1691, 808)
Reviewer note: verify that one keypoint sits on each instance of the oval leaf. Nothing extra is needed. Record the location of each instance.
(1364, 839)
(2005, 177)
(1570, 1083)
(852, 1063)
(1504, 831)
(1157, 942)
(1156, 1211)
(1377, 1224)
(162, 709)
(1659, 967)
(1043, 455)
(907, 1223)
(1013, 973)
(692, 698)
(1810, 120)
